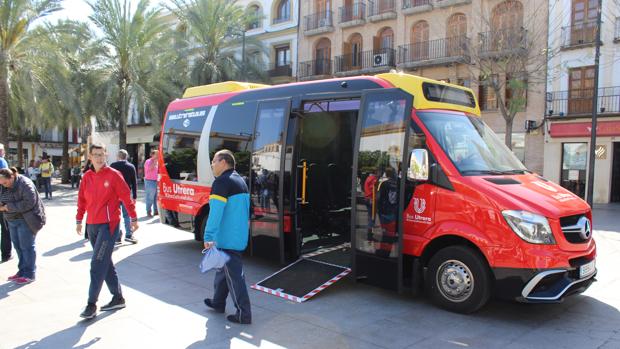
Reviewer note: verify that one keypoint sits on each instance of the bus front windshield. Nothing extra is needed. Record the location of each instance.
(471, 145)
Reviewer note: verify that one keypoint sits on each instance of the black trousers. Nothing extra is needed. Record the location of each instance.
(5, 244)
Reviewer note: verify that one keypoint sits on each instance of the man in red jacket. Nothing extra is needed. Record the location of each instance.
(101, 192)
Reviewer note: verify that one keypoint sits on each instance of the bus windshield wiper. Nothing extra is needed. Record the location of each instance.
(516, 172)
(482, 172)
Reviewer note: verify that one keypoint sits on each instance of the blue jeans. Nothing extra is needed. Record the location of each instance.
(126, 223)
(23, 241)
(231, 279)
(47, 185)
(101, 266)
(150, 187)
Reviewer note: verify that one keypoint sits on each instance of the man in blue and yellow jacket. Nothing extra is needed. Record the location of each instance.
(227, 228)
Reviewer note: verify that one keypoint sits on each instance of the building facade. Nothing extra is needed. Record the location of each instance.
(276, 28)
(440, 39)
(570, 99)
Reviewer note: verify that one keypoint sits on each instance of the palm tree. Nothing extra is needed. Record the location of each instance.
(214, 31)
(65, 58)
(16, 16)
(132, 37)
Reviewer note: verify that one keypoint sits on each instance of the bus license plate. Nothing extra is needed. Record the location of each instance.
(587, 269)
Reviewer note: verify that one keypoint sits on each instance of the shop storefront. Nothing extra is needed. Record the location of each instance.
(567, 147)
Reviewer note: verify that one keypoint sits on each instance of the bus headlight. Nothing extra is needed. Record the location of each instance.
(530, 227)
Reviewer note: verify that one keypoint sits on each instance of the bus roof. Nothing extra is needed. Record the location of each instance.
(428, 93)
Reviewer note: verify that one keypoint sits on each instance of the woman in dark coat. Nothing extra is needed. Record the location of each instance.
(25, 216)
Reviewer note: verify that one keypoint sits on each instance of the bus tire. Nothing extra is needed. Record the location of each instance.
(459, 279)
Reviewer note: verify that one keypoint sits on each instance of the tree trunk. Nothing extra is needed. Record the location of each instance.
(508, 137)
(4, 101)
(122, 121)
(66, 167)
(20, 147)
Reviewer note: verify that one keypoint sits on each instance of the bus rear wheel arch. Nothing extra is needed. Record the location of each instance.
(201, 223)
(458, 279)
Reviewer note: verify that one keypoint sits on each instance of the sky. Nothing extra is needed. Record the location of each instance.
(72, 9)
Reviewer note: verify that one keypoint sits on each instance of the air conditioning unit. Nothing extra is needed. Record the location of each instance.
(379, 59)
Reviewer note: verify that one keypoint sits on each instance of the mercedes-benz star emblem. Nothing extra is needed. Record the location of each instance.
(585, 228)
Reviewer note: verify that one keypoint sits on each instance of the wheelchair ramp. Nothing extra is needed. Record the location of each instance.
(302, 280)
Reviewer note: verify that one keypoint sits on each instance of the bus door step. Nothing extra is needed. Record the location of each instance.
(302, 280)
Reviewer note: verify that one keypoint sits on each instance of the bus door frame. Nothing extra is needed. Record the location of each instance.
(402, 179)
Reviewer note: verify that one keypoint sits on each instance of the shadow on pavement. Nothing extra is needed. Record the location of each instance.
(67, 338)
(66, 248)
(605, 216)
(7, 288)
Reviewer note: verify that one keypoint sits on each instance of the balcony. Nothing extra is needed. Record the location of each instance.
(353, 15)
(315, 69)
(447, 3)
(579, 35)
(416, 6)
(365, 62)
(381, 10)
(318, 23)
(503, 42)
(434, 52)
(580, 102)
(284, 70)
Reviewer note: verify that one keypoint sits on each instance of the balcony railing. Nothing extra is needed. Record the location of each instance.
(280, 70)
(580, 102)
(440, 50)
(318, 20)
(579, 34)
(317, 67)
(366, 60)
(415, 3)
(503, 41)
(381, 7)
(355, 12)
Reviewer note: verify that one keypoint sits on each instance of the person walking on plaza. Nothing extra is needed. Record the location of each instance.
(76, 176)
(150, 183)
(101, 192)
(5, 235)
(47, 170)
(25, 215)
(227, 229)
(128, 170)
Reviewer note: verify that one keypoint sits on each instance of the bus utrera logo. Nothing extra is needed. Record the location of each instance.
(177, 191)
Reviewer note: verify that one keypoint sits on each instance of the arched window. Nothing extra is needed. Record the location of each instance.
(283, 11)
(507, 15)
(419, 40)
(457, 25)
(507, 25)
(255, 12)
(385, 40)
(456, 31)
(353, 51)
(322, 55)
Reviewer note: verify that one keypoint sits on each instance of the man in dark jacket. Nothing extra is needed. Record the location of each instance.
(5, 243)
(128, 170)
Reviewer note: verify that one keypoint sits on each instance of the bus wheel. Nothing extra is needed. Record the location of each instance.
(458, 279)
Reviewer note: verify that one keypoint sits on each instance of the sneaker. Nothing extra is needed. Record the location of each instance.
(23, 280)
(115, 303)
(209, 303)
(90, 311)
(13, 277)
(132, 240)
(235, 319)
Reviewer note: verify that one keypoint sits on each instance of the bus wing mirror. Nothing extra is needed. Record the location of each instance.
(418, 165)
